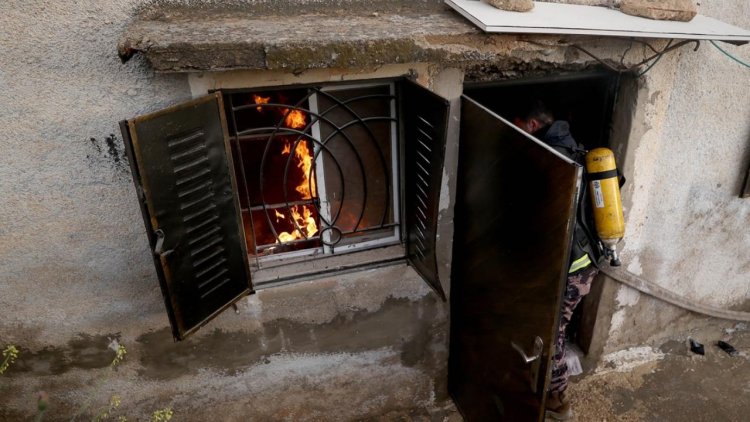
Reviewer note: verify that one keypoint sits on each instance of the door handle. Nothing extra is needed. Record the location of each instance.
(536, 354)
(535, 360)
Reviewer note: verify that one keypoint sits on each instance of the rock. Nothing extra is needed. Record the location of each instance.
(513, 5)
(670, 10)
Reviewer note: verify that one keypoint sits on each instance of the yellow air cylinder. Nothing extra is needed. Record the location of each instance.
(604, 190)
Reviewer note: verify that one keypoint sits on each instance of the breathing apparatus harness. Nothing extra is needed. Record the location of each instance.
(590, 246)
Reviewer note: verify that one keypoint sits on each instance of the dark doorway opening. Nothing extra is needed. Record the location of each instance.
(585, 100)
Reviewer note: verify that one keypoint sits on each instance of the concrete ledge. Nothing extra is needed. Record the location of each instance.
(219, 41)
(200, 39)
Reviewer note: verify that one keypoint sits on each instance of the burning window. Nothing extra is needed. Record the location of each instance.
(254, 176)
(315, 168)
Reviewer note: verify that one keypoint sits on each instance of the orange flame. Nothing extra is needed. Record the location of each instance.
(294, 119)
(305, 221)
(301, 215)
(279, 215)
(260, 100)
(305, 162)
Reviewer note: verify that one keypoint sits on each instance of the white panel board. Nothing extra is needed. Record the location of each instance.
(556, 18)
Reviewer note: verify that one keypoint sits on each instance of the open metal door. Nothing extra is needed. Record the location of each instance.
(515, 209)
(182, 171)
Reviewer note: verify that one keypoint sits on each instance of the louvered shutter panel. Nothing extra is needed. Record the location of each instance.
(425, 120)
(181, 166)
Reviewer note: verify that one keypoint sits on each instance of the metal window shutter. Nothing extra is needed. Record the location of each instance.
(425, 120)
(182, 171)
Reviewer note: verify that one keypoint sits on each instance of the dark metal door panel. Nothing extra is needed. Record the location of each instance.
(182, 170)
(515, 208)
(425, 120)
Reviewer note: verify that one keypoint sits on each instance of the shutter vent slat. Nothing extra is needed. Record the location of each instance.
(189, 138)
(205, 235)
(198, 188)
(213, 266)
(213, 277)
(190, 178)
(194, 150)
(204, 198)
(207, 221)
(193, 216)
(213, 242)
(216, 252)
(225, 281)
(192, 164)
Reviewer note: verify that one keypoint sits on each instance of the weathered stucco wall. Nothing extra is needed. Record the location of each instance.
(689, 149)
(77, 272)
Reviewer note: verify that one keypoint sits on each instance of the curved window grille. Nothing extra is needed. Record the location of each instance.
(316, 168)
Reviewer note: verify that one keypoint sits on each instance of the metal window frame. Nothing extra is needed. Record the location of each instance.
(395, 141)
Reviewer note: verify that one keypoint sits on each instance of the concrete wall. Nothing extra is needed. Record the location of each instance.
(77, 272)
(689, 148)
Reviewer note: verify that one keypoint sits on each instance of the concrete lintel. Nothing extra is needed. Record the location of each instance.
(211, 41)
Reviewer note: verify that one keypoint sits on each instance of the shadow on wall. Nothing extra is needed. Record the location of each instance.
(743, 181)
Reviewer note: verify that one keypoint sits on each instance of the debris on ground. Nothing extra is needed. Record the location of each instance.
(573, 356)
(723, 345)
(680, 386)
(696, 347)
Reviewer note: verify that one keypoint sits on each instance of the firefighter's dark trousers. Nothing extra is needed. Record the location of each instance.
(578, 286)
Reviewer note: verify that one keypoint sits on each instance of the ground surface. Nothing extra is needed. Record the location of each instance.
(665, 384)
(681, 386)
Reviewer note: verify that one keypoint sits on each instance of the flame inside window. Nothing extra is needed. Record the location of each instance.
(302, 215)
(278, 154)
(260, 100)
(313, 179)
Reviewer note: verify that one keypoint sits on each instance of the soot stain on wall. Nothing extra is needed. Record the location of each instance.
(414, 326)
(110, 150)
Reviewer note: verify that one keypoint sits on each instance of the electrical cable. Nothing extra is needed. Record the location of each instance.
(652, 289)
(654, 62)
(651, 47)
(729, 55)
(625, 53)
(623, 69)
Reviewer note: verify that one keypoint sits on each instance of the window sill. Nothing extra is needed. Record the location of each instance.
(285, 271)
